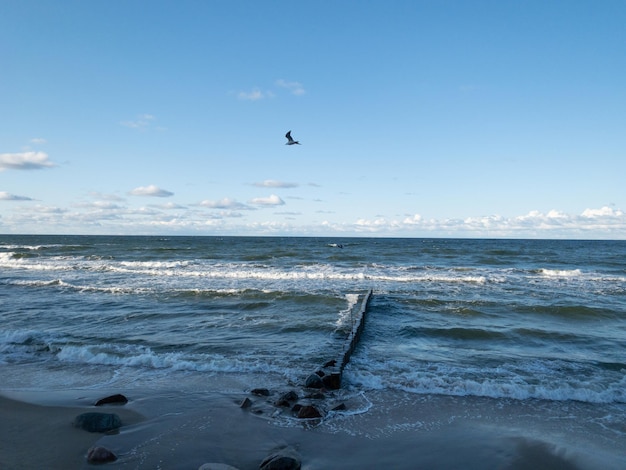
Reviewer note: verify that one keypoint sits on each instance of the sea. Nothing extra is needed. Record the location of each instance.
(521, 333)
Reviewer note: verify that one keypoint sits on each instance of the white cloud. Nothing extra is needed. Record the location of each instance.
(599, 223)
(48, 210)
(554, 214)
(225, 203)
(275, 184)
(38, 141)
(151, 191)
(602, 212)
(142, 121)
(288, 213)
(170, 206)
(272, 200)
(4, 196)
(24, 161)
(415, 219)
(254, 95)
(104, 216)
(100, 205)
(295, 88)
(106, 197)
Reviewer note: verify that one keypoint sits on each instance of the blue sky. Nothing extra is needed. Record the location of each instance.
(417, 118)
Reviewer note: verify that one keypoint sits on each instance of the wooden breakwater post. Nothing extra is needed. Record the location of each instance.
(329, 375)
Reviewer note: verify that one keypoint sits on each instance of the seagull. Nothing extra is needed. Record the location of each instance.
(290, 140)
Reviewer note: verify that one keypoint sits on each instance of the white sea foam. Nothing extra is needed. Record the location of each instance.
(24, 247)
(142, 357)
(345, 315)
(536, 380)
(155, 265)
(237, 271)
(8, 258)
(567, 273)
(61, 263)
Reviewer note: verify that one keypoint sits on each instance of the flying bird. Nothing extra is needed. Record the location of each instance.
(290, 141)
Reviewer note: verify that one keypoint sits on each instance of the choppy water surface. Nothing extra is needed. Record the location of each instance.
(512, 319)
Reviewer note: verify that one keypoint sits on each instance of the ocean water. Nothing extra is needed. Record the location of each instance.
(533, 323)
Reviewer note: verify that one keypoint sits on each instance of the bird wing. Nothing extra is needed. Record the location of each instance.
(288, 135)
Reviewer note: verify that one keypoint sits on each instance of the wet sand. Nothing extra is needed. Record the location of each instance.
(36, 436)
(174, 431)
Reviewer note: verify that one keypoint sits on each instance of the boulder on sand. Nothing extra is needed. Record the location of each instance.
(285, 458)
(216, 466)
(117, 399)
(100, 455)
(97, 422)
(307, 412)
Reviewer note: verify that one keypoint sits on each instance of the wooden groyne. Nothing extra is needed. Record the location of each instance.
(329, 375)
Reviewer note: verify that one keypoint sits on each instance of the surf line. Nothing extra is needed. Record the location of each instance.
(330, 374)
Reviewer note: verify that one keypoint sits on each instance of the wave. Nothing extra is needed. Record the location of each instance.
(29, 346)
(129, 290)
(345, 319)
(25, 247)
(560, 273)
(570, 312)
(455, 333)
(13, 260)
(38, 283)
(138, 356)
(155, 265)
(554, 380)
(239, 271)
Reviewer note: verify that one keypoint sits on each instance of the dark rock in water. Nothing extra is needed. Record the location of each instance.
(263, 392)
(296, 408)
(97, 422)
(117, 399)
(246, 403)
(308, 411)
(340, 407)
(332, 381)
(286, 399)
(100, 455)
(216, 466)
(283, 459)
(331, 363)
(281, 402)
(314, 381)
(290, 396)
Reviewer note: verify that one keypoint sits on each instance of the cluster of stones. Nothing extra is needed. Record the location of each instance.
(284, 458)
(311, 408)
(102, 423)
(326, 377)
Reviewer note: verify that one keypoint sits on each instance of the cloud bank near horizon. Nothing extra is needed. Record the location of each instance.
(216, 218)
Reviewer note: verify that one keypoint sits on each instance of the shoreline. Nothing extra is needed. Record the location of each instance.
(42, 436)
(173, 430)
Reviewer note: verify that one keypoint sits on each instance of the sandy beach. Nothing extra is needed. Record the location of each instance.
(42, 436)
(169, 431)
